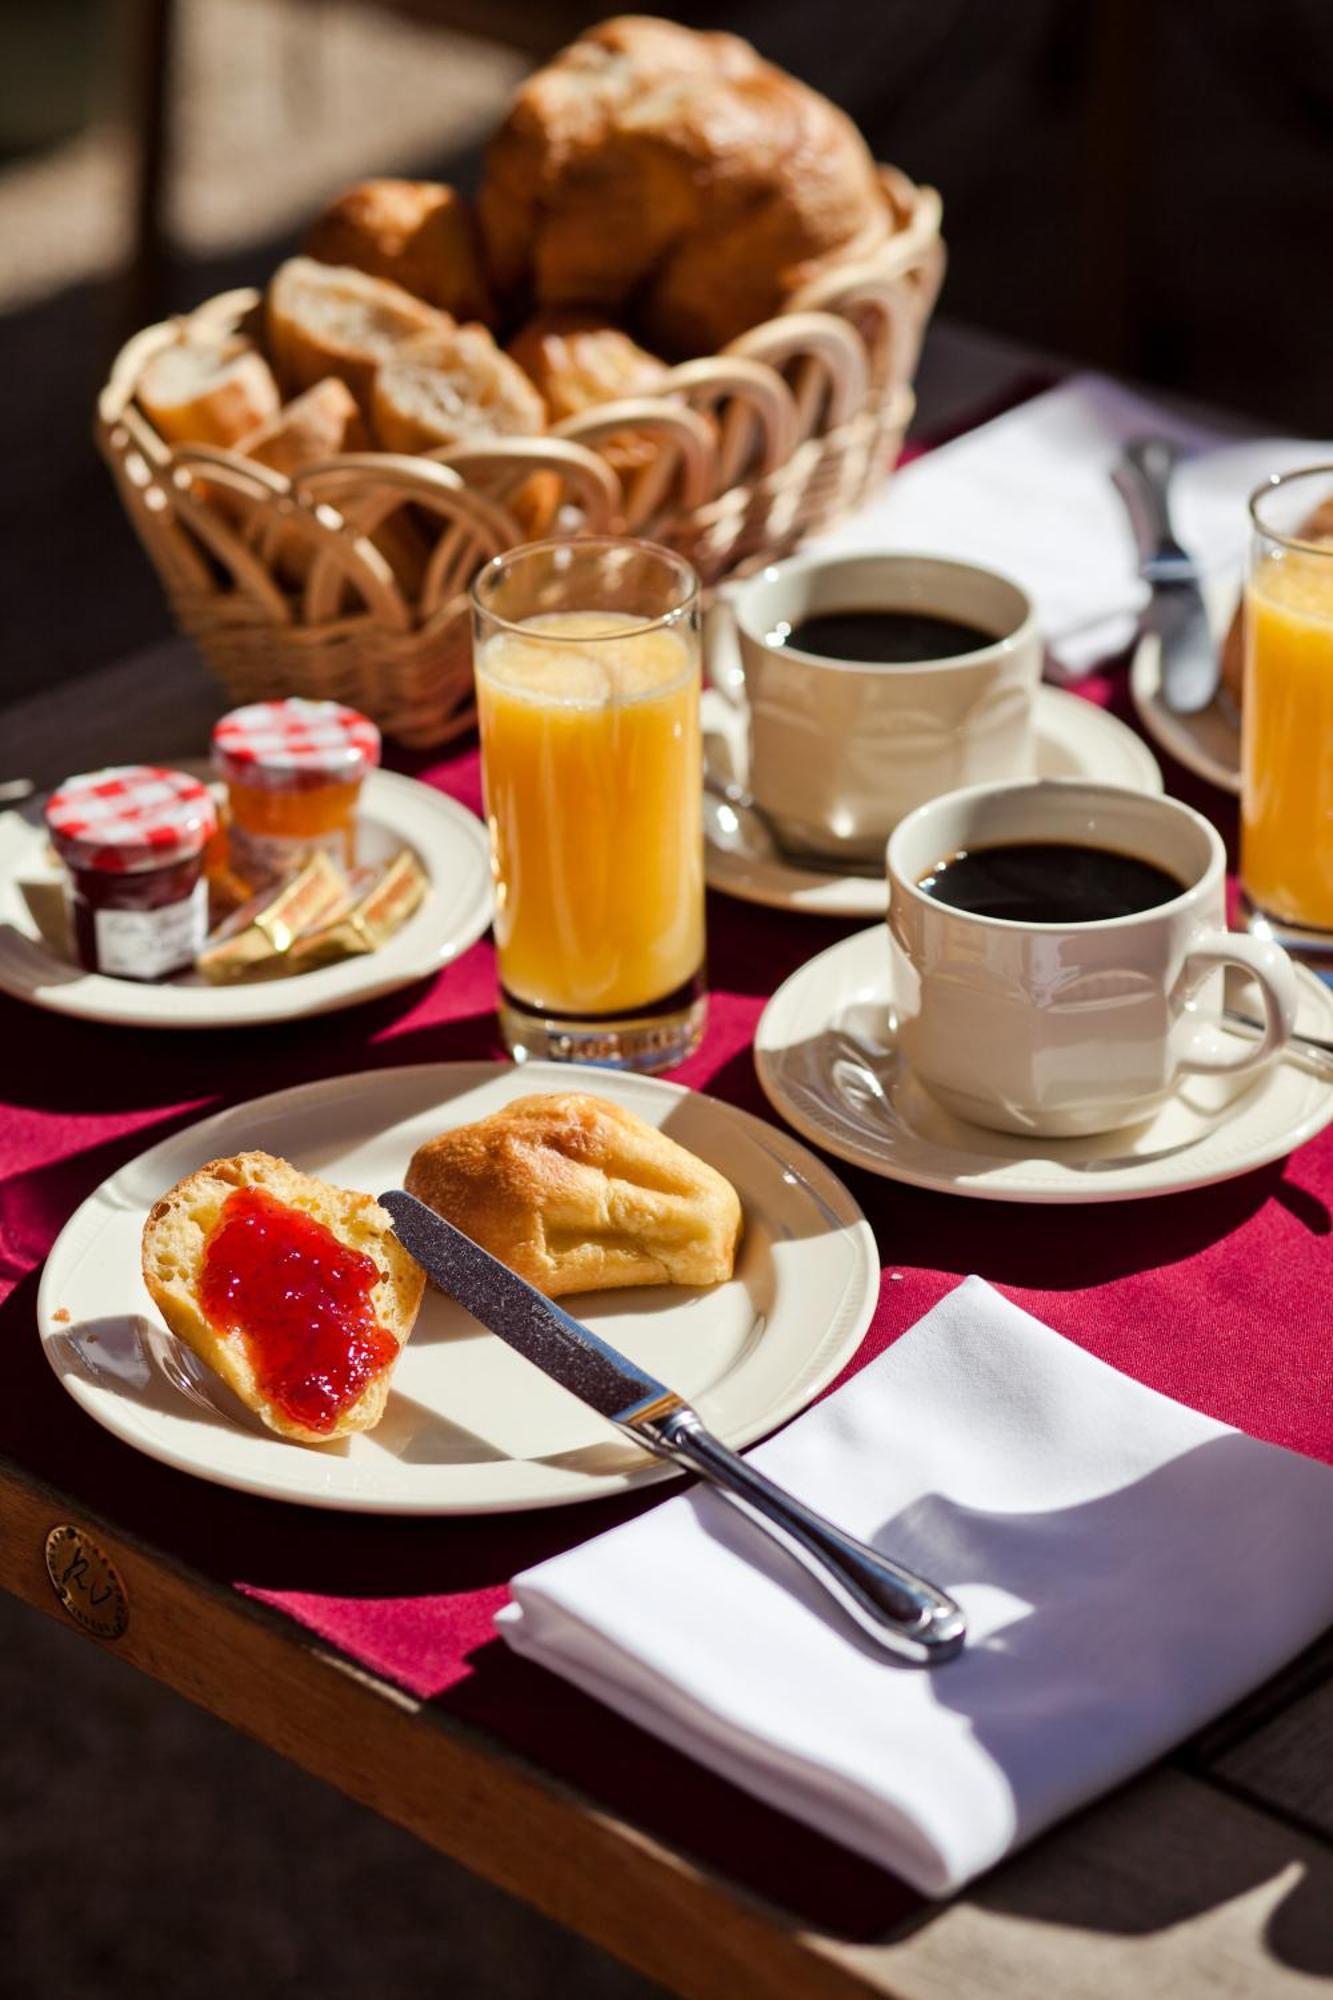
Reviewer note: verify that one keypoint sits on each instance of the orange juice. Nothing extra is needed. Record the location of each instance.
(592, 766)
(1287, 738)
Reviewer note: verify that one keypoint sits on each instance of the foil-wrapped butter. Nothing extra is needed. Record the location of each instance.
(256, 939)
(318, 917)
(368, 921)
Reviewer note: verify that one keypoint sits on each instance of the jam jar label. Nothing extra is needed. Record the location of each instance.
(148, 944)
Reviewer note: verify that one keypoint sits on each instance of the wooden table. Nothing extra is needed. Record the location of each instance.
(1212, 1874)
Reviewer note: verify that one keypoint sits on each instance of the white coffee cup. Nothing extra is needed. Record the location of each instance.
(1063, 1029)
(840, 750)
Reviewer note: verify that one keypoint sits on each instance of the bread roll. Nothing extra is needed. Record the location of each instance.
(452, 388)
(577, 360)
(577, 1195)
(207, 391)
(324, 319)
(297, 1398)
(677, 169)
(419, 234)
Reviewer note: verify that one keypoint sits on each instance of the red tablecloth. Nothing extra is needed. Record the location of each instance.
(1219, 1298)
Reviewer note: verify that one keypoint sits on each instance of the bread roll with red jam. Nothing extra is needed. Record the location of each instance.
(296, 1293)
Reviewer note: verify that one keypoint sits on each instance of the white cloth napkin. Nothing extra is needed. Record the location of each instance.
(1128, 1567)
(1030, 494)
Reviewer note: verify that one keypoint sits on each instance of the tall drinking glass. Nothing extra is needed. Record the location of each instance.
(1287, 714)
(587, 662)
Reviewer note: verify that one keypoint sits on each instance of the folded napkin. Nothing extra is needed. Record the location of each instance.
(1128, 1567)
(1031, 494)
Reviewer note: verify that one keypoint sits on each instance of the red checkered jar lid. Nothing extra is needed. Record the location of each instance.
(290, 745)
(131, 818)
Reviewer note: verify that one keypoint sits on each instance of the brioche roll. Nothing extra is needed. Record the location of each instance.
(676, 170)
(577, 1195)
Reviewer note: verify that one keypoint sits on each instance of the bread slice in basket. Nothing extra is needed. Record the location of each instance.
(207, 391)
(326, 319)
(310, 1332)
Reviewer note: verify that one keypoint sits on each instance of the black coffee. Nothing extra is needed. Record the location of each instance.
(1049, 882)
(886, 638)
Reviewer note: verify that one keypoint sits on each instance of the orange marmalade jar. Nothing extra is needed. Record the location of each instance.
(294, 771)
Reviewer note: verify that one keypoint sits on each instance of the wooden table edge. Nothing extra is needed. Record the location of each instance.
(465, 1794)
(596, 1872)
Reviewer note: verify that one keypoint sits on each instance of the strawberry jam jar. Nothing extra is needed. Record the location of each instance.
(132, 840)
(294, 771)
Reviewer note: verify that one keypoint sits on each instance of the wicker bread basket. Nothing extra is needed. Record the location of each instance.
(736, 459)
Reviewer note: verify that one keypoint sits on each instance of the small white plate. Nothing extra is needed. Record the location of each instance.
(470, 1427)
(448, 841)
(1207, 743)
(1075, 739)
(825, 1054)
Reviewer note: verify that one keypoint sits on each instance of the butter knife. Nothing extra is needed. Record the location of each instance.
(1191, 666)
(900, 1612)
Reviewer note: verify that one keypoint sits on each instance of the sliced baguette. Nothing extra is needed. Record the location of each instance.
(327, 319)
(207, 392)
(451, 388)
(320, 423)
(175, 1238)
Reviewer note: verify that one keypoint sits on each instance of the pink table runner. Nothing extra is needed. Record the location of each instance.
(1219, 1298)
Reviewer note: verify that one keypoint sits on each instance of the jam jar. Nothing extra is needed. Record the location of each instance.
(132, 840)
(293, 771)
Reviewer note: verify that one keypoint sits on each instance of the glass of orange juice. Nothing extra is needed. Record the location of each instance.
(1287, 710)
(587, 662)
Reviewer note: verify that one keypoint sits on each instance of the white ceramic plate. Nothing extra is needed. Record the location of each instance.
(470, 1427)
(825, 1054)
(1074, 740)
(1207, 743)
(449, 842)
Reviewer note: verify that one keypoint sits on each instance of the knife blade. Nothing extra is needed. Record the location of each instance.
(1190, 659)
(903, 1613)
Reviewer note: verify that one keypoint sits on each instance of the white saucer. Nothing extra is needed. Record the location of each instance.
(1207, 743)
(1074, 740)
(449, 842)
(470, 1427)
(825, 1054)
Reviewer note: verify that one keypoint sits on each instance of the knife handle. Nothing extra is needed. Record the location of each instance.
(901, 1612)
(1144, 479)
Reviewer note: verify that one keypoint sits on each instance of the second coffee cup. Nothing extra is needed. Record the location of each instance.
(937, 692)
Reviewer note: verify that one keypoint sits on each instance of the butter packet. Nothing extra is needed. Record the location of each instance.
(256, 939)
(368, 920)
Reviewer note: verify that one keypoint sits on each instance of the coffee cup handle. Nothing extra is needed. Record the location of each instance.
(1275, 976)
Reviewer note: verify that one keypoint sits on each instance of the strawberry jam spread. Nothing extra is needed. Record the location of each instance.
(300, 1299)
